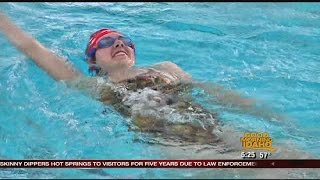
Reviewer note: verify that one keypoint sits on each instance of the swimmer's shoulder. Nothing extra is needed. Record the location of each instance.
(172, 69)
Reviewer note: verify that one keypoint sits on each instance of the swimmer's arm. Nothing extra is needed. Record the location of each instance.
(224, 96)
(54, 65)
(221, 95)
(237, 102)
(173, 69)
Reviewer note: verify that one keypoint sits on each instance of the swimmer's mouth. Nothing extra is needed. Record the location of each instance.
(120, 53)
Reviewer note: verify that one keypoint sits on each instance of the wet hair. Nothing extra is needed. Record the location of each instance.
(90, 51)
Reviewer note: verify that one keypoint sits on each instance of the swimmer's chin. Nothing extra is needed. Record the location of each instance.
(123, 59)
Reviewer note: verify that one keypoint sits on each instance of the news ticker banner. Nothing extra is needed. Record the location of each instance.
(301, 163)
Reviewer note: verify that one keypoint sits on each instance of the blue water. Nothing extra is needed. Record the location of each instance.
(267, 51)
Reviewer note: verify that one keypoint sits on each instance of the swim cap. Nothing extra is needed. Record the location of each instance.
(94, 39)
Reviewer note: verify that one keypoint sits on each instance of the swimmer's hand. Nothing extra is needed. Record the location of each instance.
(54, 65)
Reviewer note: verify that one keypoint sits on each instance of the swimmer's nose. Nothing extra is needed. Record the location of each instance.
(118, 43)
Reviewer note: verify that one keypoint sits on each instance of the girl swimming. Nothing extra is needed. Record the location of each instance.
(156, 99)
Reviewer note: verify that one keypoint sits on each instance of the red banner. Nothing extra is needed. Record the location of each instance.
(305, 163)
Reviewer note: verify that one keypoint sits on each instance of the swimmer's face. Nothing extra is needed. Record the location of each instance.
(118, 55)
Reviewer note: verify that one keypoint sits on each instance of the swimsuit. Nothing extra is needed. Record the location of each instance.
(156, 103)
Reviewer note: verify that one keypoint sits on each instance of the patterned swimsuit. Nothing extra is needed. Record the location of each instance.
(156, 103)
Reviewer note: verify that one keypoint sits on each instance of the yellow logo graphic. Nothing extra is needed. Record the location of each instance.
(257, 141)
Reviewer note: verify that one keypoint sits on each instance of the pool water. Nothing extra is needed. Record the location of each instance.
(267, 51)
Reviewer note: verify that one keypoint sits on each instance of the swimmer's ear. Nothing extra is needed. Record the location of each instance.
(94, 69)
(54, 65)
